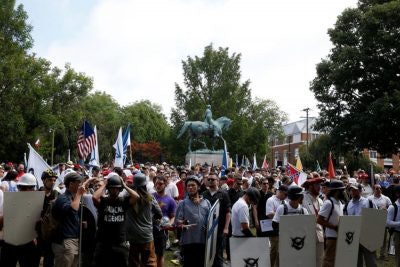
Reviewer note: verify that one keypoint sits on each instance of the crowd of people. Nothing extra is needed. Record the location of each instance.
(129, 217)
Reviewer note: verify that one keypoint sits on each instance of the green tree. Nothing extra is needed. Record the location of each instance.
(33, 96)
(358, 84)
(149, 125)
(102, 111)
(215, 79)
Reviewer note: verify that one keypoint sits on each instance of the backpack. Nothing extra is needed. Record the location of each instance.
(49, 225)
(396, 208)
(285, 209)
(371, 205)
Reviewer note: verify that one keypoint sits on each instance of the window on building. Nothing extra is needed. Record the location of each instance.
(296, 152)
(297, 138)
(373, 154)
(285, 157)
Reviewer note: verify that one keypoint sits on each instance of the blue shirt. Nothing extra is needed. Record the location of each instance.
(193, 214)
(354, 207)
(67, 216)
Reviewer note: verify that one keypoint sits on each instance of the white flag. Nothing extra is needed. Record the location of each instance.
(94, 156)
(119, 150)
(37, 164)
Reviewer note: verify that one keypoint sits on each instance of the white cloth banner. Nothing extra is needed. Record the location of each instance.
(38, 164)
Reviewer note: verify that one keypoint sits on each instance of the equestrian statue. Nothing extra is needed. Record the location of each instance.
(209, 127)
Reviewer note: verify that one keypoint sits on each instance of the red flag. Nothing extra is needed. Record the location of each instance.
(331, 169)
(265, 164)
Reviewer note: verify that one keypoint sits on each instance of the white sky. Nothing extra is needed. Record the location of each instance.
(133, 49)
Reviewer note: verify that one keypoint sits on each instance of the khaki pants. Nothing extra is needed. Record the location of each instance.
(142, 255)
(320, 253)
(330, 253)
(274, 252)
(66, 254)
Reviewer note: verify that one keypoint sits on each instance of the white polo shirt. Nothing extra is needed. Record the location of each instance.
(240, 214)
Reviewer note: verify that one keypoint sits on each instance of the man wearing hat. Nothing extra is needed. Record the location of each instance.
(292, 207)
(353, 208)
(312, 203)
(241, 215)
(270, 208)
(328, 217)
(66, 244)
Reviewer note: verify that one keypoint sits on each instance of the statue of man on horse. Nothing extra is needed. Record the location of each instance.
(209, 127)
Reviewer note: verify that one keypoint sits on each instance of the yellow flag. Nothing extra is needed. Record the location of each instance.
(230, 162)
(299, 166)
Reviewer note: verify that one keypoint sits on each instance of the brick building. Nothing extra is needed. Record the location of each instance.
(287, 149)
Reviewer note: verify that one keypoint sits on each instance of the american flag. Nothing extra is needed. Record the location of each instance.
(86, 140)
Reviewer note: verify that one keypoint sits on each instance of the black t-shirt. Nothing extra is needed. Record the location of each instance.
(111, 219)
(224, 205)
(235, 195)
(261, 204)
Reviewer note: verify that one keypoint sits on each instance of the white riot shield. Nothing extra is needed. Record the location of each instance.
(211, 237)
(297, 240)
(373, 225)
(249, 251)
(21, 213)
(348, 241)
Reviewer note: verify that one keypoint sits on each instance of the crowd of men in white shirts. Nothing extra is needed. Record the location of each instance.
(127, 213)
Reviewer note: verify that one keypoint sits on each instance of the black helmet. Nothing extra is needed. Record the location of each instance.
(114, 181)
(139, 180)
(48, 174)
(253, 194)
(294, 192)
(336, 185)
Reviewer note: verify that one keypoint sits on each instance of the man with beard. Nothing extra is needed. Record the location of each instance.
(328, 217)
(312, 203)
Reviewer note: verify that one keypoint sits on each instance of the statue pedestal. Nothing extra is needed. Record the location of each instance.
(205, 156)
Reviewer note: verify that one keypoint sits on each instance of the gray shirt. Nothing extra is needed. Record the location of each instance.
(192, 213)
(139, 222)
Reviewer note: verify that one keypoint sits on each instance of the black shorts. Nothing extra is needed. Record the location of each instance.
(160, 242)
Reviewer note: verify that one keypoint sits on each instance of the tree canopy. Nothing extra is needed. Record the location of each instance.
(215, 79)
(358, 84)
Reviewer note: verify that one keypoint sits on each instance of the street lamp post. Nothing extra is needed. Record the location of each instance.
(307, 110)
(52, 146)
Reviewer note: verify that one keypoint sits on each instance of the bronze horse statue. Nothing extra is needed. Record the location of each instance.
(199, 129)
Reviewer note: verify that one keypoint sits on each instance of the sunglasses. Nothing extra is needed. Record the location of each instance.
(211, 179)
(265, 183)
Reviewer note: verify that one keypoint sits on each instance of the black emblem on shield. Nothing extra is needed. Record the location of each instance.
(349, 237)
(251, 262)
(298, 242)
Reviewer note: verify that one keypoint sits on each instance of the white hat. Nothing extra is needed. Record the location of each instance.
(153, 168)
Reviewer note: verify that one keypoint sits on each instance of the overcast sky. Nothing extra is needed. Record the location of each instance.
(133, 49)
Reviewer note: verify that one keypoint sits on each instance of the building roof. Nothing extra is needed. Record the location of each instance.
(300, 126)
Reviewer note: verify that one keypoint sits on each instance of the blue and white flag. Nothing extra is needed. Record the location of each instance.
(94, 156)
(119, 150)
(224, 160)
(126, 138)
